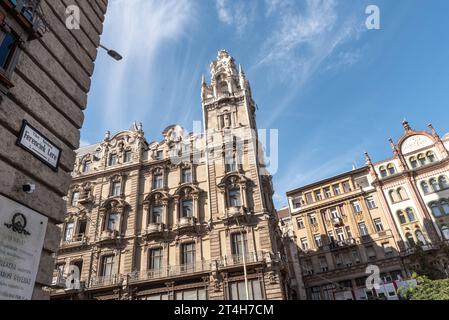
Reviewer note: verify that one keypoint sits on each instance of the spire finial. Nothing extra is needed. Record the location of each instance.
(203, 80)
(406, 125)
(107, 135)
(241, 72)
(434, 132)
(367, 159)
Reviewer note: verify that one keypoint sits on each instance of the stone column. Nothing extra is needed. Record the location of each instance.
(145, 216)
(195, 207)
(176, 211)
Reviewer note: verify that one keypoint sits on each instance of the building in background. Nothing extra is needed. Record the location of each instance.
(178, 218)
(375, 215)
(45, 72)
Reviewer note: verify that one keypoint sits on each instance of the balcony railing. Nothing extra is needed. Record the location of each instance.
(32, 12)
(237, 259)
(79, 239)
(154, 228)
(171, 271)
(104, 281)
(58, 280)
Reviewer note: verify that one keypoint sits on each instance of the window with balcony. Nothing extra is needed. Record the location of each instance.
(74, 199)
(69, 229)
(237, 290)
(187, 208)
(378, 225)
(363, 229)
(127, 156)
(356, 207)
(155, 256)
(116, 189)
(86, 166)
(158, 181)
(107, 265)
(234, 197)
(186, 175)
(112, 221)
(371, 203)
(112, 160)
(188, 253)
(340, 234)
(156, 214)
(238, 244)
(330, 236)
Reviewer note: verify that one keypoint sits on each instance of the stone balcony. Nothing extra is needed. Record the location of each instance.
(109, 235)
(186, 224)
(75, 241)
(104, 281)
(170, 271)
(154, 229)
(237, 260)
(237, 212)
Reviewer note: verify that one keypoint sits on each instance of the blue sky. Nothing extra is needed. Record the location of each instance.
(333, 88)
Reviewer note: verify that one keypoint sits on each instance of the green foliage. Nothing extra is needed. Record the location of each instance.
(426, 289)
(425, 267)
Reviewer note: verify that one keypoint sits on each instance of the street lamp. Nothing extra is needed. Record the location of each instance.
(112, 53)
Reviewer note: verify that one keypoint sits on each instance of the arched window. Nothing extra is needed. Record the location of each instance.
(391, 169)
(401, 217)
(383, 172)
(444, 183)
(436, 210)
(445, 231)
(402, 194)
(410, 214)
(431, 156)
(422, 159)
(420, 237)
(393, 196)
(410, 239)
(425, 187)
(434, 184)
(445, 206)
(413, 162)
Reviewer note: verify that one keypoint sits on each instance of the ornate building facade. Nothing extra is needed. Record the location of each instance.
(375, 215)
(177, 218)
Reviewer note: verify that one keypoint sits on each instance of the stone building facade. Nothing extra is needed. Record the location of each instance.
(375, 215)
(178, 218)
(45, 72)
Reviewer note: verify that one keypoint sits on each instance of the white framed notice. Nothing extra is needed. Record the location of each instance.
(22, 234)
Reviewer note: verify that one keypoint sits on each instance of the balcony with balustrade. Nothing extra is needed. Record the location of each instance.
(154, 230)
(185, 270)
(237, 260)
(75, 241)
(105, 281)
(29, 14)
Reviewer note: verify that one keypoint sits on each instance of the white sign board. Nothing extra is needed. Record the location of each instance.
(22, 233)
(38, 145)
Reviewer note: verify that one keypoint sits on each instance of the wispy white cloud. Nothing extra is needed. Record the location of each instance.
(138, 29)
(237, 13)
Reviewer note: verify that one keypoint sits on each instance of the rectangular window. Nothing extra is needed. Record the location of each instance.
(112, 222)
(188, 254)
(355, 256)
(237, 290)
(186, 176)
(318, 241)
(327, 193)
(82, 227)
(356, 207)
(334, 213)
(156, 214)
(348, 232)
(79, 265)
(86, 166)
(296, 203)
(336, 188)
(8, 45)
(378, 225)
(318, 196)
(116, 189)
(194, 294)
(370, 252)
(107, 266)
(363, 229)
(300, 223)
(330, 236)
(234, 198)
(127, 156)
(156, 256)
(112, 159)
(304, 244)
(309, 198)
(312, 219)
(338, 260)
(238, 243)
(346, 186)
(308, 267)
(68, 235)
(159, 155)
(371, 203)
(158, 181)
(187, 208)
(323, 264)
(388, 250)
(75, 197)
(340, 234)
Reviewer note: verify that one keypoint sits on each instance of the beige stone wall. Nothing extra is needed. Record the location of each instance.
(50, 85)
